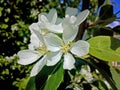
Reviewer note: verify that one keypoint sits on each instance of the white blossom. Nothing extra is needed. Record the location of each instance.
(47, 48)
(86, 72)
(38, 53)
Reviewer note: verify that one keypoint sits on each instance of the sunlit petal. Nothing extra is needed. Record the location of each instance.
(27, 57)
(34, 26)
(59, 21)
(34, 42)
(73, 19)
(53, 42)
(66, 21)
(38, 66)
(71, 11)
(52, 16)
(53, 58)
(35, 29)
(55, 28)
(43, 18)
(39, 35)
(52, 48)
(39, 16)
(50, 22)
(80, 48)
(82, 16)
(69, 33)
(68, 61)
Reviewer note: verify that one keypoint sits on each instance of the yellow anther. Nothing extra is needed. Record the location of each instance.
(65, 47)
(42, 50)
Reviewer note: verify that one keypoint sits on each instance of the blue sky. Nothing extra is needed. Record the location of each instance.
(116, 8)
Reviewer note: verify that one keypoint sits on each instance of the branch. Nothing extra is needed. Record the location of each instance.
(83, 25)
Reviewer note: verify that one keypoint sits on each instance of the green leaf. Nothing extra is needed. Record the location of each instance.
(116, 29)
(101, 85)
(23, 82)
(116, 77)
(44, 74)
(104, 31)
(105, 48)
(31, 84)
(104, 12)
(54, 80)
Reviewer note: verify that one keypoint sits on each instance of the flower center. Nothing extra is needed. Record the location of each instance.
(44, 31)
(42, 50)
(65, 47)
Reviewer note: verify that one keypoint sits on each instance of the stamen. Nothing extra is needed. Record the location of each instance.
(66, 47)
(42, 49)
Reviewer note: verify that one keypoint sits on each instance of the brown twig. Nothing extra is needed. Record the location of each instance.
(83, 25)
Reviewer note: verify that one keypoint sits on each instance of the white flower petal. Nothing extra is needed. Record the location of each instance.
(39, 36)
(59, 21)
(73, 19)
(27, 57)
(43, 19)
(39, 16)
(80, 48)
(66, 21)
(55, 28)
(68, 61)
(34, 42)
(34, 26)
(35, 29)
(53, 58)
(52, 16)
(42, 24)
(52, 48)
(53, 42)
(85, 71)
(82, 16)
(69, 33)
(50, 22)
(38, 66)
(71, 11)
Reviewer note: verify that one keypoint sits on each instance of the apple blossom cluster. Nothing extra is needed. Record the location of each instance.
(53, 38)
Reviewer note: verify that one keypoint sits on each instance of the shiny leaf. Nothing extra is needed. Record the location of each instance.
(105, 48)
(54, 80)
